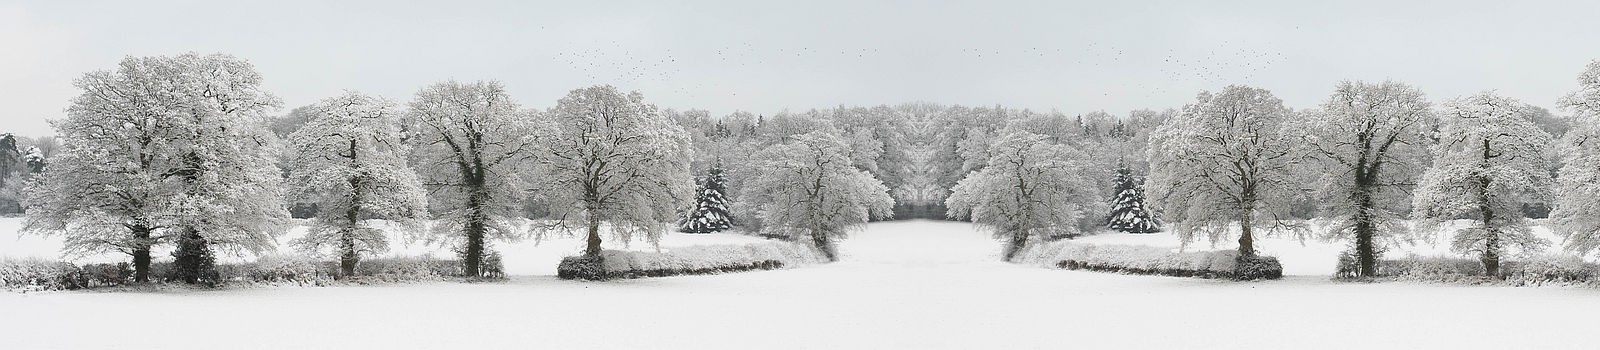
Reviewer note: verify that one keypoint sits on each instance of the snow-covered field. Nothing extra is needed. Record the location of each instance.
(904, 285)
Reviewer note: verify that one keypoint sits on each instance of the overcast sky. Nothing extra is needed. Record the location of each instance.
(765, 57)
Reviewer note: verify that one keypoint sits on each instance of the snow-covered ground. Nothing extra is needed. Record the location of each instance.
(903, 285)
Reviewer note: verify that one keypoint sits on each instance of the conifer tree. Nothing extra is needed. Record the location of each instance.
(710, 212)
(1128, 210)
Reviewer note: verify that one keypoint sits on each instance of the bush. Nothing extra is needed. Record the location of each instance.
(581, 267)
(695, 260)
(278, 269)
(36, 274)
(107, 275)
(1145, 260)
(1258, 267)
(407, 269)
(1535, 271)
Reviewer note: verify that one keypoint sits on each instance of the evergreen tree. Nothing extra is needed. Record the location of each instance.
(710, 212)
(1128, 211)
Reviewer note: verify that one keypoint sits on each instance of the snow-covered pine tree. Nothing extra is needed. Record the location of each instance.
(710, 209)
(1128, 209)
(1490, 160)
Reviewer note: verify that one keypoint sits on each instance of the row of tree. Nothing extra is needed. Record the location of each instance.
(183, 150)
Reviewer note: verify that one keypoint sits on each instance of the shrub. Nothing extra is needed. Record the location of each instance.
(277, 269)
(1534, 271)
(1257, 268)
(37, 274)
(695, 260)
(1145, 260)
(581, 267)
(107, 275)
(407, 269)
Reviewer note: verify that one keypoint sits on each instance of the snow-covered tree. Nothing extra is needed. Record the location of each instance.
(1372, 141)
(1228, 159)
(609, 157)
(164, 148)
(470, 141)
(1489, 161)
(1129, 211)
(1029, 189)
(1577, 208)
(709, 213)
(349, 160)
(808, 188)
(12, 167)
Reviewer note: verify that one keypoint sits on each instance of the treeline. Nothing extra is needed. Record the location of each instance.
(188, 151)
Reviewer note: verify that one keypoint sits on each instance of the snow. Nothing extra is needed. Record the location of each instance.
(903, 284)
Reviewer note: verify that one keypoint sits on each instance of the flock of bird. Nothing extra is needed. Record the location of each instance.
(618, 63)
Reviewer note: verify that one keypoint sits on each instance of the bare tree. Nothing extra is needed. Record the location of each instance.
(1029, 189)
(808, 189)
(1227, 159)
(471, 142)
(609, 157)
(1373, 141)
(1489, 162)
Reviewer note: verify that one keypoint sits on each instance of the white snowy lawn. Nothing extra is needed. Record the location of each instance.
(902, 285)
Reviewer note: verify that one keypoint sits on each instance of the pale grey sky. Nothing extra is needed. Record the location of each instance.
(764, 56)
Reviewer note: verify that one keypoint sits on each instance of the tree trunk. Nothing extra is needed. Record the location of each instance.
(347, 253)
(472, 257)
(1491, 242)
(592, 249)
(1365, 229)
(348, 256)
(1019, 239)
(1247, 238)
(141, 255)
(821, 240)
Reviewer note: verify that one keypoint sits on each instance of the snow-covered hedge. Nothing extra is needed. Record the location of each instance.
(38, 274)
(1146, 260)
(1535, 271)
(693, 260)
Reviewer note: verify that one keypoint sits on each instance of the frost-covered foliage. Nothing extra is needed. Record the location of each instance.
(808, 189)
(1030, 189)
(470, 143)
(1577, 208)
(1489, 162)
(1147, 260)
(12, 168)
(1228, 159)
(1372, 141)
(709, 213)
(350, 162)
(1129, 212)
(607, 156)
(1537, 270)
(696, 260)
(163, 149)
